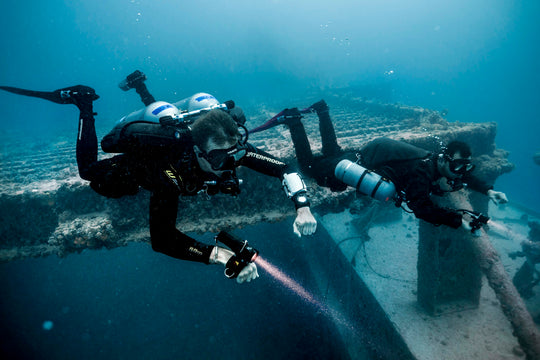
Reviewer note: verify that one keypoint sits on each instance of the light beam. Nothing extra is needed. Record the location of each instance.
(305, 295)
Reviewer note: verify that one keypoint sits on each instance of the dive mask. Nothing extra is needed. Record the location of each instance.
(460, 166)
(219, 158)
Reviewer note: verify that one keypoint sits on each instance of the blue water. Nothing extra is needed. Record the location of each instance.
(477, 59)
(133, 303)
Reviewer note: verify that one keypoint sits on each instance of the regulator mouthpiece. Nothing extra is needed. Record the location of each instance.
(243, 253)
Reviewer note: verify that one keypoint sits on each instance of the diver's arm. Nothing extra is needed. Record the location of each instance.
(419, 201)
(477, 184)
(265, 163)
(164, 235)
(258, 160)
(426, 210)
(483, 187)
(167, 239)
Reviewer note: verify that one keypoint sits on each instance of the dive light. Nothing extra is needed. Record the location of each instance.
(243, 253)
(478, 219)
(132, 79)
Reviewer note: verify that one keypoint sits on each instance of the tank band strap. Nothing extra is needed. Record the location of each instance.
(376, 187)
(361, 179)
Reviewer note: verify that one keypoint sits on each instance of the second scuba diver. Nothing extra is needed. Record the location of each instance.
(397, 170)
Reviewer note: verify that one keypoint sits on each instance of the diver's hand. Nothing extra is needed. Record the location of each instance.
(305, 223)
(248, 273)
(222, 256)
(466, 225)
(497, 197)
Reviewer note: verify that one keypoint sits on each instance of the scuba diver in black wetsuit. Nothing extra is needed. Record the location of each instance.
(163, 151)
(398, 171)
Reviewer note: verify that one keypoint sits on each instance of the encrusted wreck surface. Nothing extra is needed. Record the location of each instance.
(45, 208)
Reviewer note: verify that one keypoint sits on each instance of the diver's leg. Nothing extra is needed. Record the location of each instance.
(110, 177)
(87, 147)
(82, 97)
(330, 146)
(61, 96)
(87, 144)
(47, 95)
(301, 144)
(292, 118)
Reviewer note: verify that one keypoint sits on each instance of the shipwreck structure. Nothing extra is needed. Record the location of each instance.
(46, 209)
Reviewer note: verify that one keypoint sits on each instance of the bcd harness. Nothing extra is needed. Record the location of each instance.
(170, 133)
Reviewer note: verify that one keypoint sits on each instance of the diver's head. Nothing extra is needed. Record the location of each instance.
(218, 142)
(455, 160)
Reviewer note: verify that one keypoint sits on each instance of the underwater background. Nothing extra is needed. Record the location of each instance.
(477, 60)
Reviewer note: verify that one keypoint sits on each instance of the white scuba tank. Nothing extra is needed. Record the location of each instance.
(152, 113)
(145, 123)
(365, 181)
(197, 101)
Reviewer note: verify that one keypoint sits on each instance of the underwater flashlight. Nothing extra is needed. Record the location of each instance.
(131, 80)
(478, 219)
(243, 253)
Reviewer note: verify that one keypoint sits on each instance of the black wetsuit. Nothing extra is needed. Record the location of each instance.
(415, 178)
(168, 169)
(321, 167)
(163, 163)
